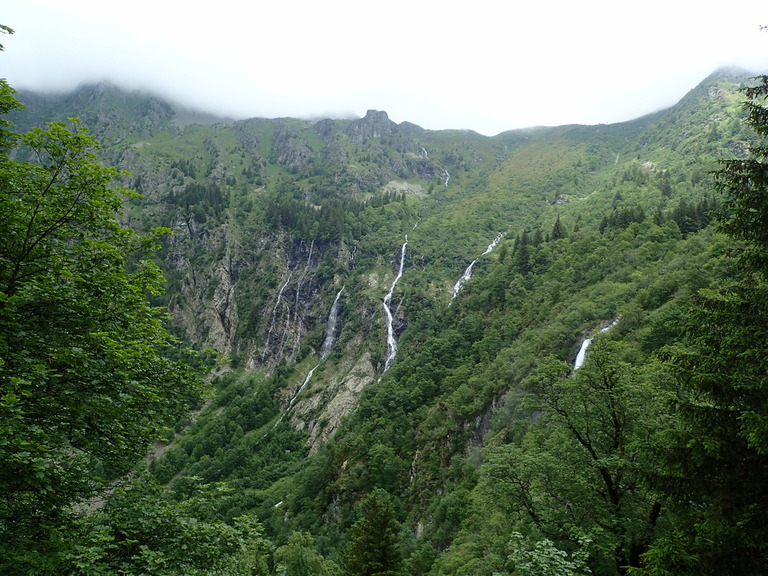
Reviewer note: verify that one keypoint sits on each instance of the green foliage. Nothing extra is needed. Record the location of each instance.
(86, 376)
(4, 30)
(141, 531)
(574, 472)
(8, 103)
(715, 460)
(374, 548)
(544, 559)
(448, 430)
(299, 558)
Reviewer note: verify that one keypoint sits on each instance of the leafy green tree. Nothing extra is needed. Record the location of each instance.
(571, 474)
(743, 183)
(716, 460)
(374, 547)
(4, 30)
(299, 558)
(88, 372)
(8, 103)
(558, 230)
(544, 559)
(141, 530)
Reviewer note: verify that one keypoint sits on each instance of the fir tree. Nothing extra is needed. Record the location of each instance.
(558, 230)
(374, 548)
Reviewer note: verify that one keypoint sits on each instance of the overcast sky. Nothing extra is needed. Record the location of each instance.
(485, 65)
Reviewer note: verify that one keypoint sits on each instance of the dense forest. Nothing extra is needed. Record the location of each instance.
(290, 347)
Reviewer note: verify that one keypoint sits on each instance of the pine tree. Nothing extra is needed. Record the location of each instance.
(558, 230)
(374, 548)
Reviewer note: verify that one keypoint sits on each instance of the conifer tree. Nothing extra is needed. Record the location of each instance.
(374, 548)
(558, 230)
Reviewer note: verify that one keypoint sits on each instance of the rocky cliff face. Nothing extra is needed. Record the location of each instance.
(375, 124)
(291, 152)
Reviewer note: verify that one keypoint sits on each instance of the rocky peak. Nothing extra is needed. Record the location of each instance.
(375, 124)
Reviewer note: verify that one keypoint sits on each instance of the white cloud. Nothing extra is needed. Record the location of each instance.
(483, 65)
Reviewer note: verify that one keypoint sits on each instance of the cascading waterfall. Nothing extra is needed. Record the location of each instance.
(581, 356)
(333, 316)
(330, 328)
(295, 396)
(493, 244)
(286, 331)
(274, 314)
(391, 342)
(447, 178)
(464, 277)
(304, 385)
(468, 272)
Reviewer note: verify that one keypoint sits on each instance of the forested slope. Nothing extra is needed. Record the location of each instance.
(398, 314)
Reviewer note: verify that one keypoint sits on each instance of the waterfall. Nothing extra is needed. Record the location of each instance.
(391, 343)
(581, 356)
(330, 328)
(304, 385)
(468, 272)
(447, 178)
(299, 391)
(466, 276)
(326, 349)
(493, 244)
(274, 314)
(424, 152)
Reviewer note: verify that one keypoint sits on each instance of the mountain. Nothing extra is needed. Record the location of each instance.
(383, 297)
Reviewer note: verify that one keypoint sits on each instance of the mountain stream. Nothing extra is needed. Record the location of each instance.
(468, 272)
(581, 356)
(391, 342)
(330, 339)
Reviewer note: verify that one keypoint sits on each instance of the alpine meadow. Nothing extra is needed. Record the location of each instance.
(355, 347)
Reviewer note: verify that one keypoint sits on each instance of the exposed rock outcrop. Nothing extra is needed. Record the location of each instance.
(375, 124)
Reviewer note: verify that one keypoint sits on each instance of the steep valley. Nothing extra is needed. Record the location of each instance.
(383, 299)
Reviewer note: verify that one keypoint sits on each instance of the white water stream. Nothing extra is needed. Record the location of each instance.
(464, 277)
(468, 272)
(274, 314)
(330, 339)
(297, 316)
(391, 342)
(581, 356)
(304, 385)
(493, 244)
(330, 328)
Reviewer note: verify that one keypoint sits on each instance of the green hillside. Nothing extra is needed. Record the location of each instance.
(482, 441)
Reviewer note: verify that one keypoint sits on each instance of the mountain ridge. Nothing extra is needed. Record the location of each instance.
(197, 115)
